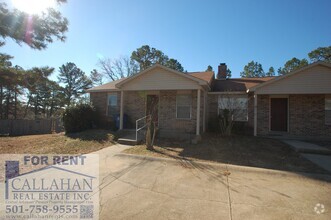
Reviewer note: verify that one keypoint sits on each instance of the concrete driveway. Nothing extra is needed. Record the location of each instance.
(134, 187)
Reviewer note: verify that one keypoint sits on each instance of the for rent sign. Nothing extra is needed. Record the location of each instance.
(51, 187)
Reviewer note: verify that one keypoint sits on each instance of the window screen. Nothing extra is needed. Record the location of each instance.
(112, 104)
(183, 106)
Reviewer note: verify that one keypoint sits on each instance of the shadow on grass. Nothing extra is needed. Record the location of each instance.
(240, 150)
(98, 135)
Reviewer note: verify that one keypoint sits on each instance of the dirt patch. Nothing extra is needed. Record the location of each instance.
(236, 150)
(78, 143)
(49, 144)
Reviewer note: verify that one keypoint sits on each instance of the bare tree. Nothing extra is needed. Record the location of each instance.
(96, 78)
(118, 68)
(231, 109)
(151, 121)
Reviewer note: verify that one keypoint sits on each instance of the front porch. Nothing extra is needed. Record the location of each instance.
(180, 100)
(175, 111)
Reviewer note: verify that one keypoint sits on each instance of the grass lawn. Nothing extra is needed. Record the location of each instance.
(236, 150)
(77, 143)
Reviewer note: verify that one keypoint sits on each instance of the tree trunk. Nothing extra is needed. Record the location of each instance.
(27, 106)
(52, 106)
(36, 108)
(149, 144)
(15, 105)
(7, 105)
(154, 134)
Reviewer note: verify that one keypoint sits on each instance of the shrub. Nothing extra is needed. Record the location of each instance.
(213, 125)
(79, 117)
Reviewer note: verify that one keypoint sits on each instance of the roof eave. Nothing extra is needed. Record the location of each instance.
(228, 92)
(201, 82)
(102, 90)
(254, 88)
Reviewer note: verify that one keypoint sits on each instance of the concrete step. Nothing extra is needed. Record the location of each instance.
(126, 141)
(128, 137)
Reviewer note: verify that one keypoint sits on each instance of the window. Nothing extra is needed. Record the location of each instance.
(328, 110)
(112, 104)
(237, 107)
(183, 106)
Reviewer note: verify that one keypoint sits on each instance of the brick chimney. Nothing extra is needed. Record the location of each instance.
(222, 69)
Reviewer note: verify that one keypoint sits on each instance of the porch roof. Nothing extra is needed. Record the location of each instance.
(111, 86)
(196, 78)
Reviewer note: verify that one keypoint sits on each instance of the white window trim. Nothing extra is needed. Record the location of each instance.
(184, 106)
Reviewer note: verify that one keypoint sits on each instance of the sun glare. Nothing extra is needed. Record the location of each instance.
(33, 6)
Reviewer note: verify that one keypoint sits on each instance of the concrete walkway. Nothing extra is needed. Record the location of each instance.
(305, 147)
(137, 187)
(316, 154)
(323, 161)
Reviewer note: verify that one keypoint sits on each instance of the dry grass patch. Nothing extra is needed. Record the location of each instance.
(235, 150)
(77, 143)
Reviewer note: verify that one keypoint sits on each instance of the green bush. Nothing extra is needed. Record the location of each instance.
(79, 117)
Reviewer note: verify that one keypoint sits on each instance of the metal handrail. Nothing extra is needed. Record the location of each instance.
(137, 124)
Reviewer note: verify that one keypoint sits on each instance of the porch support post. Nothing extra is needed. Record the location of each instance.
(255, 114)
(204, 111)
(121, 110)
(198, 113)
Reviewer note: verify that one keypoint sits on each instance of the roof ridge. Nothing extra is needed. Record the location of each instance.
(201, 72)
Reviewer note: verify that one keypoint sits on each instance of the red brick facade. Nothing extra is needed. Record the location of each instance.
(135, 108)
(262, 114)
(306, 115)
(212, 106)
(100, 102)
(306, 112)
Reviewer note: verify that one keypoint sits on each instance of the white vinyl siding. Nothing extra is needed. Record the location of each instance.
(160, 79)
(328, 111)
(238, 107)
(315, 80)
(183, 106)
(112, 104)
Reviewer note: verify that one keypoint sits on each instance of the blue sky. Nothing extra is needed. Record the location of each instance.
(198, 33)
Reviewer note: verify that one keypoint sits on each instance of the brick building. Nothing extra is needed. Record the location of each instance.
(297, 104)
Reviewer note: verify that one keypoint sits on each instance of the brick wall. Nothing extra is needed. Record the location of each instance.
(99, 101)
(212, 101)
(167, 113)
(251, 111)
(263, 114)
(306, 115)
(135, 108)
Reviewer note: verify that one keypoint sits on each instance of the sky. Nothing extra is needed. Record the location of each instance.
(197, 33)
